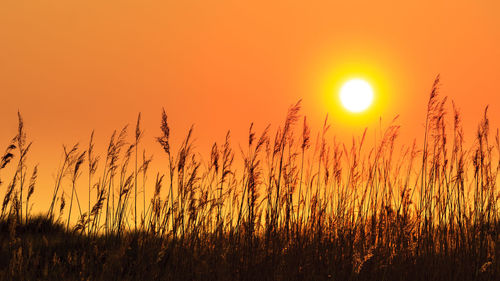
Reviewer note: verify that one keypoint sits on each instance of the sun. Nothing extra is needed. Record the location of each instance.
(356, 95)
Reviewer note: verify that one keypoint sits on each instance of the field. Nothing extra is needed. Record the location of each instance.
(297, 208)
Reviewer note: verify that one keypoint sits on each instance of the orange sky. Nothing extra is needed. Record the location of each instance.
(74, 66)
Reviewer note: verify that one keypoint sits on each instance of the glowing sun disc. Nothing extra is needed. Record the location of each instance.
(356, 95)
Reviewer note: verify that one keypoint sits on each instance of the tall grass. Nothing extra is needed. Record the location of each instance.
(291, 209)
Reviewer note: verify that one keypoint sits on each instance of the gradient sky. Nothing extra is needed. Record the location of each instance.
(74, 66)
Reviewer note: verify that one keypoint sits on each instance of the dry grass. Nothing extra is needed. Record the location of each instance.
(294, 211)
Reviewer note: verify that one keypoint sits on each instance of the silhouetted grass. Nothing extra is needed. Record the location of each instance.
(291, 211)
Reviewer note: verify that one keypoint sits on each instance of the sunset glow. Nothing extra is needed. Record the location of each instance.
(250, 140)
